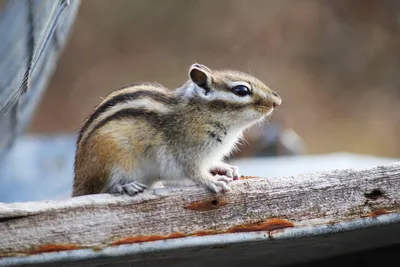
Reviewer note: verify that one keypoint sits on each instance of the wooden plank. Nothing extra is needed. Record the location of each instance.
(266, 204)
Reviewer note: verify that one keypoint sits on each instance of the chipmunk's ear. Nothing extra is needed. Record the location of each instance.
(200, 75)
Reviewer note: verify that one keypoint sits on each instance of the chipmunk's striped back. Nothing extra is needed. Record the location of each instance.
(135, 100)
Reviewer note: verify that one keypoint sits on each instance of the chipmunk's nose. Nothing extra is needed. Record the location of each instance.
(276, 100)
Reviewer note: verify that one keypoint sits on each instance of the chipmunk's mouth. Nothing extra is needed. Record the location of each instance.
(265, 109)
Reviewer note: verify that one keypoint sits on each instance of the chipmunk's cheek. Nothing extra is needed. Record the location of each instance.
(269, 112)
(251, 114)
(263, 110)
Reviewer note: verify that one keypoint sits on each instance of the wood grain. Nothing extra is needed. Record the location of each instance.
(254, 204)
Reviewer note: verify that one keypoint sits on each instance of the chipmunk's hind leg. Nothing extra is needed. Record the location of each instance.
(124, 183)
(130, 188)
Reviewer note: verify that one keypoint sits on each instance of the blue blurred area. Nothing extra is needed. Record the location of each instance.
(38, 168)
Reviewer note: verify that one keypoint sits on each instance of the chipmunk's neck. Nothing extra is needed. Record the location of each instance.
(204, 133)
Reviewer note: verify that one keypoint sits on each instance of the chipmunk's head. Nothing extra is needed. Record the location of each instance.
(238, 96)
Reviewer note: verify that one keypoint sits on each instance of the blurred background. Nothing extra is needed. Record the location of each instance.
(335, 63)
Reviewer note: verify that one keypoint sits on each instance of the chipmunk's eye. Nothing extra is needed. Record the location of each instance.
(241, 90)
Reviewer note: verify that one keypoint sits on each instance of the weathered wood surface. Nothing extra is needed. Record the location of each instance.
(271, 205)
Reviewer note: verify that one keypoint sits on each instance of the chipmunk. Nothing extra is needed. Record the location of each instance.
(146, 132)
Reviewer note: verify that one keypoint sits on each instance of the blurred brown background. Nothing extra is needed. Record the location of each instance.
(335, 63)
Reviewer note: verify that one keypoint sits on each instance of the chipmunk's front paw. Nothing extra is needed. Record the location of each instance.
(226, 170)
(130, 189)
(219, 184)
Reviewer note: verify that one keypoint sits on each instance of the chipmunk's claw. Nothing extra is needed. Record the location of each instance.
(226, 170)
(219, 184)
(131, 189)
